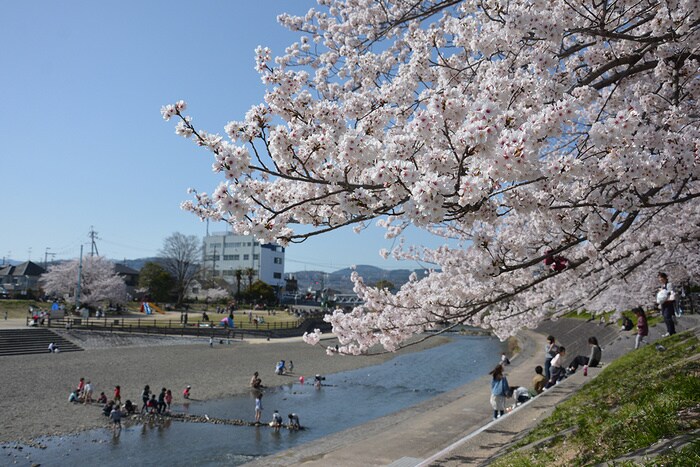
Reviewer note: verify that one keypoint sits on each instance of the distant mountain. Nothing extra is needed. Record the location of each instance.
(340, 280)
(137, 263)
(316, 280)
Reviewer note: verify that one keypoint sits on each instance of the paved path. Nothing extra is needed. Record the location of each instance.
(456, 428)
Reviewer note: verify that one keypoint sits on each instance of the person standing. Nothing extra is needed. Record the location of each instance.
(88, 392)
(642, 327)
(81, 388)
(499, 391)
(550, 351)
(666, 298)
(168, 398)
(117, 394)
(160, 408)
(258, 407)
(116, 416)
(145, 396)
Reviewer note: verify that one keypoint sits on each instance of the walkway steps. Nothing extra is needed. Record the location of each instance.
(32, 341)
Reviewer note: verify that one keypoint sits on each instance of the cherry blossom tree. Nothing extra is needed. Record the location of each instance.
(555, 143)
(98, 281)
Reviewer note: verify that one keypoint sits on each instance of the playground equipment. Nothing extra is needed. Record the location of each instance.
(148, 307)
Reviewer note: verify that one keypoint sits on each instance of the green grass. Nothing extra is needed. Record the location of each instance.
(652, 318)
(19, 308)
(688, 455)
(637, 400)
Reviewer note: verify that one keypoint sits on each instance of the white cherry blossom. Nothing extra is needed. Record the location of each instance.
(557, 144)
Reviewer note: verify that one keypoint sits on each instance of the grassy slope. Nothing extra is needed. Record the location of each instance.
(637, 400)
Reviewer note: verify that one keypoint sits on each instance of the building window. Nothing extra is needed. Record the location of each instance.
(246, 257)
(256, 257)
(228, 257)
(278, 260)
(228, 273)
(215, 273)
(236, 257)
(277, 275)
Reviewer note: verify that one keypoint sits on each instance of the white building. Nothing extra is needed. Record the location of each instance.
(225, 252)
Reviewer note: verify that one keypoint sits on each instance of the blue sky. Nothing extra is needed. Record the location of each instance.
(83, 143)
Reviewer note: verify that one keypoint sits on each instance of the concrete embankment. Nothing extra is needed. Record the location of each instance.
(455, 429)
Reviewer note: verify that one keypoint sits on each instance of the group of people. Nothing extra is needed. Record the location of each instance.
(113, 407)
(257, 387)
(554, 370)
(281, 368)
(276, 422)
(161, 405)
(115, 411)
(293, 421)
(82, 393)
(668, 304)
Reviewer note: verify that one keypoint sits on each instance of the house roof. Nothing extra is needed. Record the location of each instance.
(125, 270)
(27, 268)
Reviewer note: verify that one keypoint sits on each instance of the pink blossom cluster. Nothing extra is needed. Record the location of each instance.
(526, 131)
(98, 281)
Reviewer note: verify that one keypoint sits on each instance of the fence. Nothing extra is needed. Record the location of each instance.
(169, 327)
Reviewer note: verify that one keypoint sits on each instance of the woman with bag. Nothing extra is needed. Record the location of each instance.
(499, 391)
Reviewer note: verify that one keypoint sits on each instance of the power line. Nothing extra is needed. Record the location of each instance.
(93, 245)
(132, 247)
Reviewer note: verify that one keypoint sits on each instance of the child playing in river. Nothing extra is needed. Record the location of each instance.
(258, 407)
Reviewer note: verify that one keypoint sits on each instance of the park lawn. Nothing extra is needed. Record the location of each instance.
(20, 308)
(639, 399)
(240, 319)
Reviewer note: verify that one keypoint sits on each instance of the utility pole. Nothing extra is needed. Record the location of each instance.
(93, 245)
(47, 254)
(213, 259)
(80, 273)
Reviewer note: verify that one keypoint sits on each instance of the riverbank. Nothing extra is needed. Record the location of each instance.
(455, 429)
(35, 388)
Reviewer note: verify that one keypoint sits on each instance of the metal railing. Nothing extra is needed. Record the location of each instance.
(168, 327)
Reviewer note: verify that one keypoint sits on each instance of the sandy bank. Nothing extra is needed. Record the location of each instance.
(35, 388)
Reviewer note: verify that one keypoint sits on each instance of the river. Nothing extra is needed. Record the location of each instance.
(345, 400)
